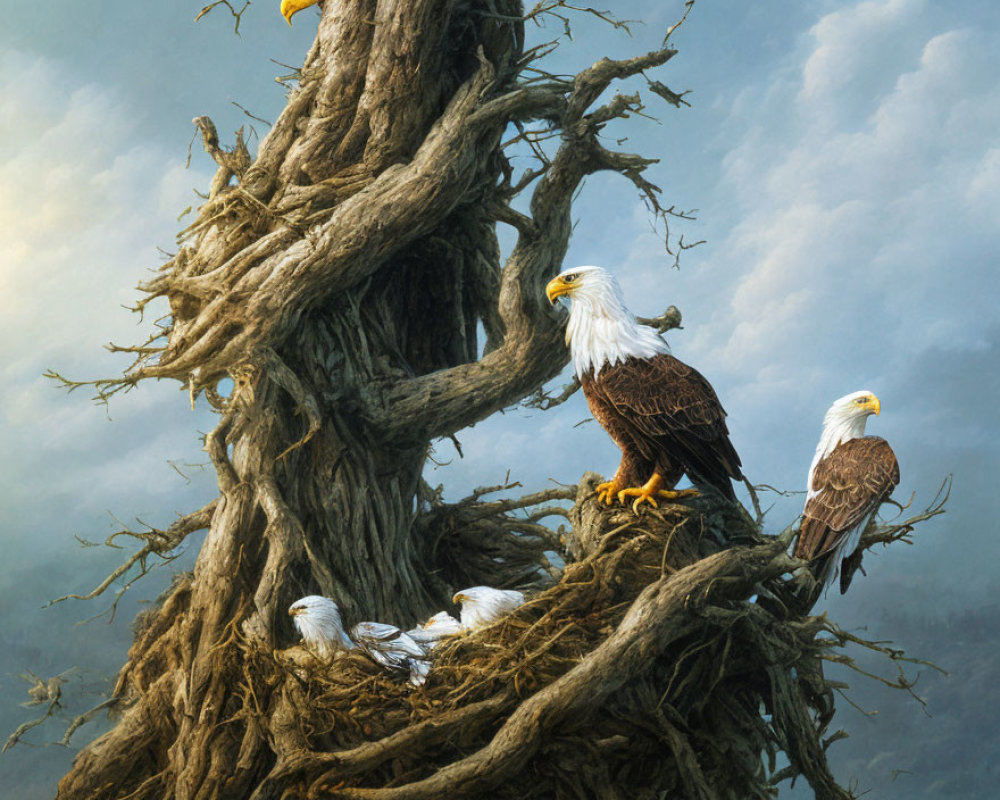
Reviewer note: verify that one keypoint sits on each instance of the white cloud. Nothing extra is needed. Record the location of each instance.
(863, 241)
(83, 205)
(851, 44)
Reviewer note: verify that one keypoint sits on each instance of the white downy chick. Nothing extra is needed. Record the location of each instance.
(430, 633)
(318, 620)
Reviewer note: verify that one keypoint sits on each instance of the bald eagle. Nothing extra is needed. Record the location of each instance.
(851, 475)
(318, 620)
(290, 8)
(484, 605)
(663, 414)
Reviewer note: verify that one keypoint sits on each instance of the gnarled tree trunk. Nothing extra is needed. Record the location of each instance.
(339, 280)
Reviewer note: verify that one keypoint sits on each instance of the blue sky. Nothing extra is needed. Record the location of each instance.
(844, 158)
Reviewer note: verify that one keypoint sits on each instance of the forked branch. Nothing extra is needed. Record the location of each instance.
(157, 543)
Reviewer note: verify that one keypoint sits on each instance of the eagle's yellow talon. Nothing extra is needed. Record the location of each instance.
(606, 492)
(676, 494)
(637, 503)
(649, 491)
(641, 494)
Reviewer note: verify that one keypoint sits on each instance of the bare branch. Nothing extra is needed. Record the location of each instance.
(23, 728)
(667, 321)
(82, 719)
(541, 399)
(158, 542)
(234, 161)
(900, 532)
(895, 655)
(237, 15)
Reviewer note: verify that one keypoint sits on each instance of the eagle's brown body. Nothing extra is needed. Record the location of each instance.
(848, 487)
(667, 420)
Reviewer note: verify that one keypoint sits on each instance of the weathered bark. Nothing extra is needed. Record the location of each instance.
(340, 282)
(340, 279)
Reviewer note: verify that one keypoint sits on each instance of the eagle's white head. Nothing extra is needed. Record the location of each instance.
(482, 605)
(844, 420)
(318, 620)
(601, 330)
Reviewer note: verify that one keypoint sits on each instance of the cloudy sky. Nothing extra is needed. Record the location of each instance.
(844, 158)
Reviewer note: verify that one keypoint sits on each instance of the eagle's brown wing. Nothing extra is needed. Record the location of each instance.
(678, 412)
(850, 484)
(637, 464)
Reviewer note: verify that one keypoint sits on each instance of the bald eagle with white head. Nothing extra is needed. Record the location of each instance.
(318, 620)
(851, 475)
(484, 605)
(663, 414)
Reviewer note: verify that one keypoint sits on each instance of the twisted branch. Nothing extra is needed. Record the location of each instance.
(440, 403)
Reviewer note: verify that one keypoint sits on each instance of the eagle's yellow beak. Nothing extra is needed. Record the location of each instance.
(459, 598)
(557, 287)
(874, 405)
(294, 612)
(289, 8)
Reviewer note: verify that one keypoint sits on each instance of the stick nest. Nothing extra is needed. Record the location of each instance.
(643, 670)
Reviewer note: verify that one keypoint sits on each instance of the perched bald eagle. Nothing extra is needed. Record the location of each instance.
(290, 8)
(484, 605)
(850, 477)
(318, 620)
(663, 414)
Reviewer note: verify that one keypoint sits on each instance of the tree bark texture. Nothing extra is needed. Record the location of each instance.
(340, 280)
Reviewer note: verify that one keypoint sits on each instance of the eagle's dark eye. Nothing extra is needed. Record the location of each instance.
(861, 400)
(571, 277)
